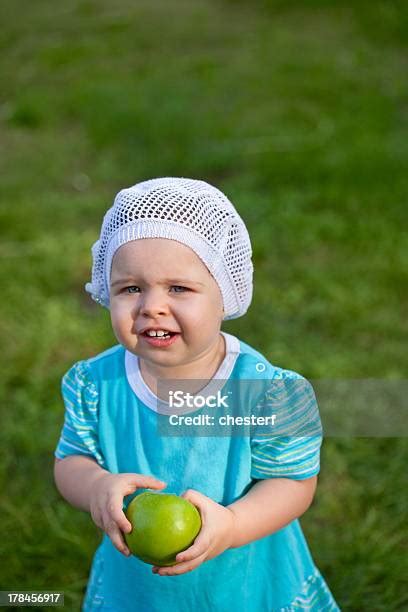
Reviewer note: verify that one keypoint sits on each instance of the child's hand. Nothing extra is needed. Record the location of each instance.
(216, 535)
(106, 502)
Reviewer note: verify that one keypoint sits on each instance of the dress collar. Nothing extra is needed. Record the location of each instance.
(146, 395)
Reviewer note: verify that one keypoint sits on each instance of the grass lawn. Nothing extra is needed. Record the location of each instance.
(299, 112)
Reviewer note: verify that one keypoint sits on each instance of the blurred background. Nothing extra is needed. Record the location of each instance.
(298, 111)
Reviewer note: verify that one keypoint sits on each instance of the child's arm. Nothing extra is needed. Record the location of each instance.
(270, 505)
(267, 507)
(87, 486)
(74, 477)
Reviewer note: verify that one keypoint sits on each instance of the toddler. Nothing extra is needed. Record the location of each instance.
(172, 262)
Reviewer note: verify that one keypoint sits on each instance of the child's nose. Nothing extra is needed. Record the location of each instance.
(153, 303)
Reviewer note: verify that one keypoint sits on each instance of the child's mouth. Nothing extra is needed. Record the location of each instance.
(161, 341)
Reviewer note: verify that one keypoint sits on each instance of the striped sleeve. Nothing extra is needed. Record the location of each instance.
(291, 449)
(79, 434)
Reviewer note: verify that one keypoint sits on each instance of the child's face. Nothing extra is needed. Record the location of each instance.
(162, 284)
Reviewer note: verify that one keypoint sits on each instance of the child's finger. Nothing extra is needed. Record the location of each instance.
(117, 539)
(199, 547)
(116, 513)
(191, 495)
(138, 481)
(180, 568)
(196, 498)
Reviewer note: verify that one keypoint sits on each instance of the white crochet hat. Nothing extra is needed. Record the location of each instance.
(191, 212)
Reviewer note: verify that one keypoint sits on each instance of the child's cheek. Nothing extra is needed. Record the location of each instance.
(121, 318)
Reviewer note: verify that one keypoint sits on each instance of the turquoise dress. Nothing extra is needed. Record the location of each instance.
(112, 416)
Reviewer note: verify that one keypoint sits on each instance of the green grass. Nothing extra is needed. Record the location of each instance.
(298, 111)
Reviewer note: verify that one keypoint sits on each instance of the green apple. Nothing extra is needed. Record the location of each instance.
(163, 525)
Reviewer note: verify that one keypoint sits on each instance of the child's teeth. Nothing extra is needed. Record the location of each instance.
(159, 332)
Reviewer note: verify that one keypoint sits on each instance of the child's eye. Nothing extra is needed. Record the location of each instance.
(130, 289)
(179, 288)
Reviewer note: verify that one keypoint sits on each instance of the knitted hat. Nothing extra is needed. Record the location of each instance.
(191, 212)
